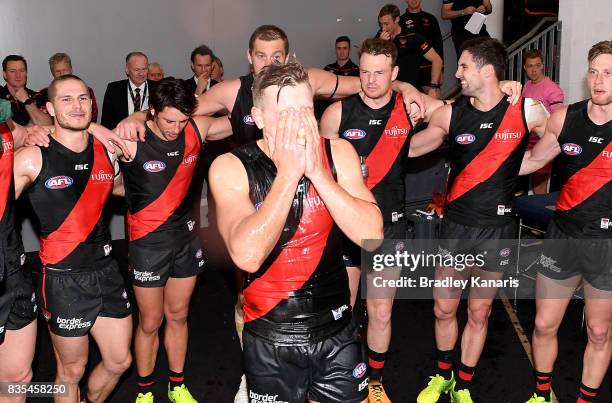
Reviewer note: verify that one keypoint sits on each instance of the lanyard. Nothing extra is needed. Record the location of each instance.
(144, 95)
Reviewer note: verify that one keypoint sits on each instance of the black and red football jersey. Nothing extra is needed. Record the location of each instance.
(584, 166)
(382, 137)
(486, 152)
(300, 294)
(243, 126)
(10, 239)
(157, 187)
(68, 198)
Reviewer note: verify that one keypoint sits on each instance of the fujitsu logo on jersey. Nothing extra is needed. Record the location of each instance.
(190, 159)
(508, 135)
(354, 134)
(58, 182)
(606, 154)
(7, 146)
(102, 176)
(248, 119)
(465, 138)
(571, 149)
(154, 166)
(397, 131)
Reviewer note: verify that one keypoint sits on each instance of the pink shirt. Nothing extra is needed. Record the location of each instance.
(546, 91)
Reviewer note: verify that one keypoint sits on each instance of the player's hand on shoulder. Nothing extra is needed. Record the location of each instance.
(131, 128)
(513, 89)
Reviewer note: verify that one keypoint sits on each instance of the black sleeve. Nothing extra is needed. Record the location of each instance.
(436, 37)
(421, 43)
(107, 118)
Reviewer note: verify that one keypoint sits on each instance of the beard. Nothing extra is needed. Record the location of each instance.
(66, 124)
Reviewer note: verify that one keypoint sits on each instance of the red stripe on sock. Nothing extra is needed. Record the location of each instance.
(444, 365)
(375, 364)
(544, 387)
(581, 400)
(176, 378)
(145, 384)
(586, 392)
(464, 376)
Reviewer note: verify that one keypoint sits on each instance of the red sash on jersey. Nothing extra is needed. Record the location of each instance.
(157, 212)
(385, 152)
(586, 181)
(491, 158)
(294, 265)
(6, 166)
(279, 281)
(84, 215)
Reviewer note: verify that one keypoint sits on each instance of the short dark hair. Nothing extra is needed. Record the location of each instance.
(533, 54)
(343, 38)
(136, 53)
(389, 9)
(13, 58)
(173, 93)
(52, 89)
(281, 75)
(268, 33)
(202, 50)
(377, 46)
(59, 57)
(488, 51)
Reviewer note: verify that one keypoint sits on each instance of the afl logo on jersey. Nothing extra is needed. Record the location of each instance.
(154, 166)
(354, 134)
(571, 149)
(465, 139)
(58, 182)
(248, 119)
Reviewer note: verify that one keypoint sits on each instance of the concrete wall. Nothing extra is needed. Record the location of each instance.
(583, 26)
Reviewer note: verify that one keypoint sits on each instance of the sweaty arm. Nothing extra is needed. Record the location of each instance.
(547, 148)
(250, 234)
(218, 99)
(212, 129)
(27, 166)
(330, 121)
(433, 136)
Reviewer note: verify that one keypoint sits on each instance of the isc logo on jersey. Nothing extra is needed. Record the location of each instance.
(571, 149)
(465, 139)
(354, 134)
(248, 119)
(154, 166)
(58, 182)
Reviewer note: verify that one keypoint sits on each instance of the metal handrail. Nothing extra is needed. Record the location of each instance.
(550, 51)
(529, 35)
(547, 41)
